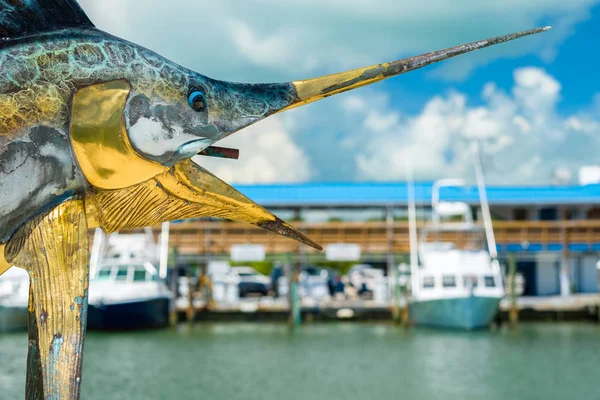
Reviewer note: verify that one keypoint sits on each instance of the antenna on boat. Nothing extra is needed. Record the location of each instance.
(485, 206)
(412, 225)
(164, 250)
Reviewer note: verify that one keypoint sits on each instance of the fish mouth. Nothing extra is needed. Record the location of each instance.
(188, 150)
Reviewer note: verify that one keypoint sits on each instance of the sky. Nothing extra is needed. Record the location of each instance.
(532, 104)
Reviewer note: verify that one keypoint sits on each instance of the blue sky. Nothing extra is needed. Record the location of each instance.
(533, 103)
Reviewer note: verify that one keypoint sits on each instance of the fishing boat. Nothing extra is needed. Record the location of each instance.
(14, 297)
(126, 289)
(456, 277)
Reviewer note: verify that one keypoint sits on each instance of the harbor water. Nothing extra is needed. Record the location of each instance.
(329, 361)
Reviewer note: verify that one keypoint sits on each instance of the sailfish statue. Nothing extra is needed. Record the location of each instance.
(96, 131)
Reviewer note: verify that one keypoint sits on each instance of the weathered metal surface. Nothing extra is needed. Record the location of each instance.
(53, 248)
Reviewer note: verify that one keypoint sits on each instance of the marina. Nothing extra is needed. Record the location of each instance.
(195, 236)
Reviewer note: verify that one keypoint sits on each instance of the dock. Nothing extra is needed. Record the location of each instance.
(553, 308)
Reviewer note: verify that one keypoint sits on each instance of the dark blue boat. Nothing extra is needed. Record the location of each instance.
(143, 314)
(126, 292)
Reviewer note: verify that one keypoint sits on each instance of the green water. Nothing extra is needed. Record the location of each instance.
(334, 361)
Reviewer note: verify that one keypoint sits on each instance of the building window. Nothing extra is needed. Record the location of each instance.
(548, 214)
(520, 214)
(490, 282)
(449, 281)
(594, 213)
(428, 282)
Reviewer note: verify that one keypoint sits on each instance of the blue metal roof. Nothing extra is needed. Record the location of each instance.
(380, 194)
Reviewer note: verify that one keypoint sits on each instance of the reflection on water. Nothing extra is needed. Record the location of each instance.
(329, 361)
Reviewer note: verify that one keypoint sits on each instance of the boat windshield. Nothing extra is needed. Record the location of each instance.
(126, 273)
(104, 274)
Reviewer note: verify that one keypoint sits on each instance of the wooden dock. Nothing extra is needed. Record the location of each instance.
(571, 308)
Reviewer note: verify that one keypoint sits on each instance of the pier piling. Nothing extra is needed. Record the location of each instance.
(513, 313)
(295, 311)
(191, 310)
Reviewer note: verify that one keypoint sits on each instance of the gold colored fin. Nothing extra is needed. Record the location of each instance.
(189, 181)
(100, 139)
(186, 191)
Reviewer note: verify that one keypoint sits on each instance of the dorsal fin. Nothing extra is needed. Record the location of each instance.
(20, 18)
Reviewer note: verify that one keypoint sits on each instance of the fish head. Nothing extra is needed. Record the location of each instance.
(181, 117)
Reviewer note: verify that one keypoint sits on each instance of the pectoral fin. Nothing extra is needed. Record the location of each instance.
(186, 191)
(190, 182)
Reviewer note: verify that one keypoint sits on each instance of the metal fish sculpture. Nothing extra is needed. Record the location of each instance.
(96, 131)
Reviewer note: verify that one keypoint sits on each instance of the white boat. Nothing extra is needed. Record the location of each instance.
(14, 297)
(456, 285)
(126, 291)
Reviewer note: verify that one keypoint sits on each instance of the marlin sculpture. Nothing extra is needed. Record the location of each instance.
(96, 131)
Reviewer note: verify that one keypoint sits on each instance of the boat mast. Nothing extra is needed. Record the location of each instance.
(485, 207)
(412, 227)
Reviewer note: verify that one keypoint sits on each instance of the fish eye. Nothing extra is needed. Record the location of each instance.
(197, 101)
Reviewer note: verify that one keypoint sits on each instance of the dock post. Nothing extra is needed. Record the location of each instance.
(392, 271)
(397, 313)
(295, 311)
(513, 313)
(174, 287)
(406, 306)
(191, 310)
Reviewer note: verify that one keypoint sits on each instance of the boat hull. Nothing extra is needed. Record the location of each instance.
(133, 315)
(13, 319)
(467, 313)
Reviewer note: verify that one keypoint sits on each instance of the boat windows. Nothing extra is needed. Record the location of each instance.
(104, 274)
(139, 275)
(470, 281)
(122, 274)
(449, 281)
(489, 281)
(428, 282)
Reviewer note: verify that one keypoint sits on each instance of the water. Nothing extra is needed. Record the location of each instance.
(330, 361)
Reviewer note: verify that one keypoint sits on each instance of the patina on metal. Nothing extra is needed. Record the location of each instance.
(96, 131)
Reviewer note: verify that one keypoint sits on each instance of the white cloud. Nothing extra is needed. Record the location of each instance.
(267, 155)
(525, 138)
(273, 40)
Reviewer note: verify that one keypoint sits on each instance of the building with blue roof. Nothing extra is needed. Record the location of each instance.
(553, 231)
